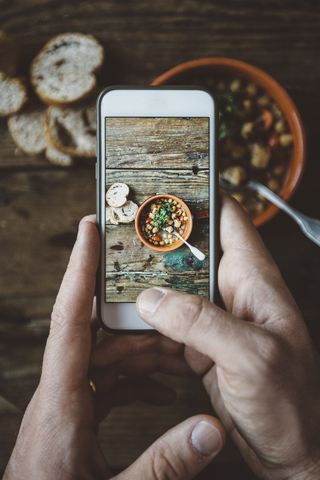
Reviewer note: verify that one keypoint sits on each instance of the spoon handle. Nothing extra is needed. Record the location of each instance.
(196, 252)
(309, 226)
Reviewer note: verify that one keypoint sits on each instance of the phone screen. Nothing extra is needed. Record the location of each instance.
(166, 158)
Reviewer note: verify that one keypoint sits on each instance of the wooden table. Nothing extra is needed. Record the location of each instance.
(41, 205)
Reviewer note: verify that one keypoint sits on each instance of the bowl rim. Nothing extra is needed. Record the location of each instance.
(281, 97)
(179, 242)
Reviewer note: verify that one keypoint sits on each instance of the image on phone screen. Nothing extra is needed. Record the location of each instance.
(164, 163)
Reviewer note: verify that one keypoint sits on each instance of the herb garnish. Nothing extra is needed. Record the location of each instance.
(163, 215)
(229, 103)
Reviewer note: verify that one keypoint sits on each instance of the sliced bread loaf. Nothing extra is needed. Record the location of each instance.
(117, 194)
(126, 213)
(63, 71)
(9, 55)
(72, 130)
(26, 129)
(13, 95)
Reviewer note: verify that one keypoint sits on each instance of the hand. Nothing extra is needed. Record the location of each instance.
(58, 438)
(259, 365)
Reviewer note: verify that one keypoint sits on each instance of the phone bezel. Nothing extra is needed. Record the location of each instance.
(124, 104)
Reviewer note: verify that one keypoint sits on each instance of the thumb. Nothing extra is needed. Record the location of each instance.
(67, 352)
(182, 452)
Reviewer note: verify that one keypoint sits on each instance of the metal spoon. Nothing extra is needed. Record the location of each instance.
(309, 226)
(196, 252)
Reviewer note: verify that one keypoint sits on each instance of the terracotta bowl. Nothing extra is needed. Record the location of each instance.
(188, 72)
(179, 242)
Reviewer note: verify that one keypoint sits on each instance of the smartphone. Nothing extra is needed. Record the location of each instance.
(156, 177)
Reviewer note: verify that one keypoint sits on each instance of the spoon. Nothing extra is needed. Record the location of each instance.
(196, 252)
(309, 226)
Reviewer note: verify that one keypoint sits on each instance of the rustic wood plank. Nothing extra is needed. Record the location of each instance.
(157, 142)
(126, 287)
(126, 253)
(191, 186)
(144, 39)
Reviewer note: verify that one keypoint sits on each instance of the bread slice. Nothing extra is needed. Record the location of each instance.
(117, 194)
(9, 55)
(63, 71)
(72, 130)
(26, 129)
(126, 213)
(58, 158)
(109, 217)
(13, 95)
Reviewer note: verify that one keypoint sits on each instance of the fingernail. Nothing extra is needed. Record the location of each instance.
(206, 439)
(79, 230)
(149, 301)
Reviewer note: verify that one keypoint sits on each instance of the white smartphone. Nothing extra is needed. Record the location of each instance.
(156, 179)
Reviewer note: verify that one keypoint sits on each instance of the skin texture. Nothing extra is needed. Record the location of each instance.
(58, 434)
(259, 365)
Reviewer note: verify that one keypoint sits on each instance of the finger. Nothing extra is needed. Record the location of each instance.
(155, 362)
(68, 347)
(182, 452)
(145, 364)
(118, 347)
(129, 390)
(247, 270)
(197, 323)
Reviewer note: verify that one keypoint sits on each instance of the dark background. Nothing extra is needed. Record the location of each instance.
(41, 205)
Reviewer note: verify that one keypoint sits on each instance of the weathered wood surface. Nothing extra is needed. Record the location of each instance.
(191, 186)
(142, 39)
(157, 143)
(131, 266)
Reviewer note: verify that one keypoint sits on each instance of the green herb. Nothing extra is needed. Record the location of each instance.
(230, 103)
(163, 215)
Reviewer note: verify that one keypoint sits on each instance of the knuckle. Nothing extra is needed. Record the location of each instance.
(166, 465)
(193, 312)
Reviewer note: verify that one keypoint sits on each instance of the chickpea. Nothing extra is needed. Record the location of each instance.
(178, 205)
(170, 222)
(155, 243)
(153, 205)
(185, 218)
(173, 216)
(247, 103)
(166, 241)
(175, 202)
(235, 85)
(221, 86)
(151, 215)
(170, 200)
(285, 139)
(278, 170)
(252, 90)
(170, 236)
(273, 184)
(263, 101)
(148, 226)
(155, 230)
(181, 231)
(165, 235)
(280, 126)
